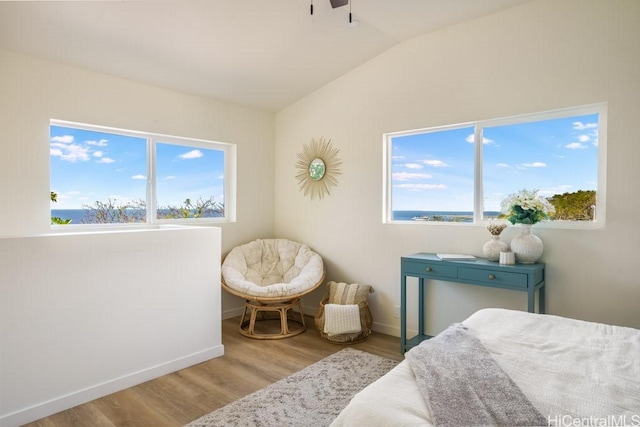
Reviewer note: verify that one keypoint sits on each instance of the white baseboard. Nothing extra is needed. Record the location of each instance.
(383, 328)
(79, 397)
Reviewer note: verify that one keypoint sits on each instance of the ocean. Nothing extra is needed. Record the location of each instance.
(75, 215)
(451, 216)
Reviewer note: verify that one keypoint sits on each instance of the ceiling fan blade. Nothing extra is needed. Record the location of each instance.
(338, 3)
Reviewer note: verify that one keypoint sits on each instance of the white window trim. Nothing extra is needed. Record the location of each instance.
(598, 223)
(230, 159)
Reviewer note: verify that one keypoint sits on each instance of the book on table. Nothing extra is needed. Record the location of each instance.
(456, 257)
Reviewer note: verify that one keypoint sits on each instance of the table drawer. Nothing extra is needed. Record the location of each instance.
(431, 269)
(495, 277)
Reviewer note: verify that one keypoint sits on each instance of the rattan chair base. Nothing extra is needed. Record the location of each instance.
(257, 311)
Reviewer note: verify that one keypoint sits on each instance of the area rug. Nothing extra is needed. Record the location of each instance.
(313, 396)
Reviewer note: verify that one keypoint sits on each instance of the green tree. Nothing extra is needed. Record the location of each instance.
(578, 206)
(54, 219)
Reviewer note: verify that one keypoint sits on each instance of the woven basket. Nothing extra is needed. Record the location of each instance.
(366, 320)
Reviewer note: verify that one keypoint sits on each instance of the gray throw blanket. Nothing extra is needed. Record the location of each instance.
(464, 386)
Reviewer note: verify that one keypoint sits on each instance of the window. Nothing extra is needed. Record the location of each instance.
(461, 173)
(112, 176)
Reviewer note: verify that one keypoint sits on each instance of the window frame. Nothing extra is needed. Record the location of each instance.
(229, 187)
(478, 205)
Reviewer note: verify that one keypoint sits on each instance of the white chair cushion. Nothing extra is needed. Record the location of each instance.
(272, 268)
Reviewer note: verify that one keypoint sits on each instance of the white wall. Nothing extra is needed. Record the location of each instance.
(85, 315)
(543, 55)
(36, 271)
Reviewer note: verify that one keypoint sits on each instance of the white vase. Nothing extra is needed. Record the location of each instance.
(493, 247)
(527, 246)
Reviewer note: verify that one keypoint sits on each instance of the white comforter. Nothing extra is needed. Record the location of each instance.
(574, 372)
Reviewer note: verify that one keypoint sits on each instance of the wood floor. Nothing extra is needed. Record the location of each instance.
(247, 365)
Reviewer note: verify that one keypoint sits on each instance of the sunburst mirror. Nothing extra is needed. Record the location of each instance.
(318, 166)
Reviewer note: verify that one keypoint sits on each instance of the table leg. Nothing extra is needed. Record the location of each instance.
(421, 313)
(403, 313)
(531, 299)
(541, 301)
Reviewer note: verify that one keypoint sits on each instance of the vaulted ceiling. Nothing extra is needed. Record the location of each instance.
(264, 54)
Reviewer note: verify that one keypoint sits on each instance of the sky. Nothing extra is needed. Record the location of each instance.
(88, 166)
(434, 171)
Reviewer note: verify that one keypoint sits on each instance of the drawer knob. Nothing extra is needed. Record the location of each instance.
(491, 277)
(428, 269)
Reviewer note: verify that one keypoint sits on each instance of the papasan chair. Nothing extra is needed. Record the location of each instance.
(272, 275)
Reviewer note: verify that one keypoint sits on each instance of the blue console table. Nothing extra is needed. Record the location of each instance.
(527, 278)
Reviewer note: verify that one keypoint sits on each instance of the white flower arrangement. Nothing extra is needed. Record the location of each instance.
(526, 207)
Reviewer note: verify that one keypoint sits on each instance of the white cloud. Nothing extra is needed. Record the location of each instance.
(575, 146)
(69, 152)
(584, 138)
(502, 165)
(169, 177)
(64, 148)
(485, 141)
(193, 154)
(421, 186)
(583, 126)
(138, 177)
(65, 139)
(534, 165)
(413, 166)
(408, 176)
(101, 143)
(106, 160)
(435, 163)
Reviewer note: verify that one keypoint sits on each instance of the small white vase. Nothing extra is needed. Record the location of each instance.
(527, 246)
(493, 247)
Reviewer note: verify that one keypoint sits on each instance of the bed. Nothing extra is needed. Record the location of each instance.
(573, 372)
